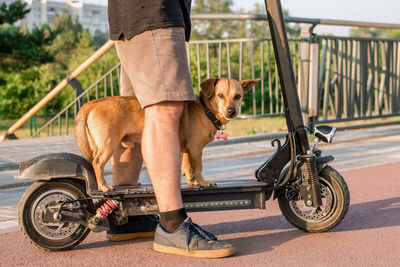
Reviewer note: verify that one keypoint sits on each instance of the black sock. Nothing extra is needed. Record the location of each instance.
(171, 220)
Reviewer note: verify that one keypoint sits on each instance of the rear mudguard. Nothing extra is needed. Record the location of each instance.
(57, 166)
(322, 162)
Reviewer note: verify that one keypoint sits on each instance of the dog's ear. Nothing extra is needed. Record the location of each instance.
(208, 86)
(248, 84)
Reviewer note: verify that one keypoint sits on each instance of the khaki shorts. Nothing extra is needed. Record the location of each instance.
(155, 67)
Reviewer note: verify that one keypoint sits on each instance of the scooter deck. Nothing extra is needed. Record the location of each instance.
(226, 195)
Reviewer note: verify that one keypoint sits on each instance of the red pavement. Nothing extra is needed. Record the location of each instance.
(368, 236)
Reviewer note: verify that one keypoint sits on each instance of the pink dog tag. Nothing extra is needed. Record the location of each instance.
(222, 136)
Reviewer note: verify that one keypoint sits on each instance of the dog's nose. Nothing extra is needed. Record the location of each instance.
(231, 111)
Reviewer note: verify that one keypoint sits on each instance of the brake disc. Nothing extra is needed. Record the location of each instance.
(45, 204)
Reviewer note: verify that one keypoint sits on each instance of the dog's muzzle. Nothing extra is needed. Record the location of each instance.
(231, 112)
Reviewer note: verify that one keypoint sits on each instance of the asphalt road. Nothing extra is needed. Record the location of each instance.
(368, 236)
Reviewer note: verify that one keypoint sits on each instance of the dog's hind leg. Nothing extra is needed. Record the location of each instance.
(100, 159)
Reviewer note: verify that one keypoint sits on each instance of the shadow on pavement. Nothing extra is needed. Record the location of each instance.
(256, 244)
(368, 215)
(106, 243)
(252, 225)
(361, 216)
(371, 215)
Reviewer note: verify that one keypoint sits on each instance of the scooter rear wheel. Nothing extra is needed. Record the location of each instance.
(35, 208)
(335, 204)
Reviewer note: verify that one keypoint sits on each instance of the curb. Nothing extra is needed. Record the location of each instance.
(9, 166)
(245, 139)
(15, 185)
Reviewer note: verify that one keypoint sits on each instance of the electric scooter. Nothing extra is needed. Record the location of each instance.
(63, 204)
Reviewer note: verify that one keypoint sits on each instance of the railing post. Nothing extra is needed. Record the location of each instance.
(313, 83)
(78, 91)
(304, 68)
(308, 78)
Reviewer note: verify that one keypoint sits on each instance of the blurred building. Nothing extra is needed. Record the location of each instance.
(91, 16)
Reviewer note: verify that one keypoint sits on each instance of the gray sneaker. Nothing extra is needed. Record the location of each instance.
(191, 240)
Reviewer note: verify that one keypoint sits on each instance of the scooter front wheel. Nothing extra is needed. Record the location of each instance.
(36, 209)
(335, 204)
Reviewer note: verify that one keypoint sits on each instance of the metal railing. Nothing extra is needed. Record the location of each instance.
(359, 78)
(238, 59)
(242, 59)
(63, 122)
(339, 78)
(312, 21)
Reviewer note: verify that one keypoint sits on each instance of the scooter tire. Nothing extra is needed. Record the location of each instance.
(42, 235)
(336, 197)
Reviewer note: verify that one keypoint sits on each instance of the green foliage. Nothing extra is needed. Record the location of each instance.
(21, 50)
(35, 62)
(12, 13)
(20, 90)
(212, 30)
(22, 58)
(71, 48)
(375, 33)
(99, 38)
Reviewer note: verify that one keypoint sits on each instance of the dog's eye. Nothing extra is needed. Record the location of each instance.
(220, 95)
(237, 97)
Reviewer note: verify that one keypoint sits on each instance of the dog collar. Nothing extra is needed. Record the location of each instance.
(217, 123)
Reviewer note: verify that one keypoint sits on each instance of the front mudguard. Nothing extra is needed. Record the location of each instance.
(57, 166)
(321, 162)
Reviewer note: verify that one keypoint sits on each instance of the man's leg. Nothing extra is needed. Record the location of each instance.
(126, 164)
(162, 154)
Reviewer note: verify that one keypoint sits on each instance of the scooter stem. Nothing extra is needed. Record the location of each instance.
(285, 70)
(311, 193)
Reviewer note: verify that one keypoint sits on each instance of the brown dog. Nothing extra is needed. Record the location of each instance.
(101, 125)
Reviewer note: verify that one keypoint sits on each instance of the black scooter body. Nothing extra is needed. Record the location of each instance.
(228, 194)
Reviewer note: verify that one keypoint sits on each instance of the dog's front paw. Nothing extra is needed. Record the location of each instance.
(106, 188)
(205, 183)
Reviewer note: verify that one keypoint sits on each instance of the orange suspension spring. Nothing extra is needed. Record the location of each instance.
(107, 208)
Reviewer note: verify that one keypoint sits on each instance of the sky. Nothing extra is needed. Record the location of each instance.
(360, 10)
(387, 11)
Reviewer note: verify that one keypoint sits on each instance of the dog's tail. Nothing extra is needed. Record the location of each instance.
(82, 136)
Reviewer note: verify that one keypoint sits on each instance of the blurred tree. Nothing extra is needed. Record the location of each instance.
(99, 38)
(366, 32)
(14, 12)
(22, 54)
(212, 29)
(218, 29)
(71, 48)
(20, 49)
(375, 33)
